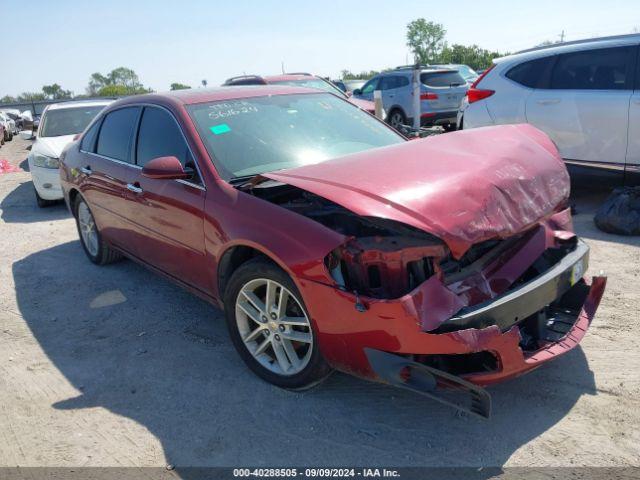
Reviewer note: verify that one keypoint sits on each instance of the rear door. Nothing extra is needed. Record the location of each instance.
(585, 105)
(168, 214)
(394, 90)
(107, 168)
(633, 148)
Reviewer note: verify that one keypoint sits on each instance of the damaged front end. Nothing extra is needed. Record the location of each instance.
(455, 277)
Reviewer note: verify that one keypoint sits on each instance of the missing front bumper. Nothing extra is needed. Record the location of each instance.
(431, 382)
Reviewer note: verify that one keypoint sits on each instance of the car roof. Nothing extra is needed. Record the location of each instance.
(556, 48)
(288, 77)
(79, 104)
(216, 94)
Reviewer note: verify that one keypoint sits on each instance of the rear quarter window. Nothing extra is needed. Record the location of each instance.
(442, 79)
(530, 74)
(88, 143)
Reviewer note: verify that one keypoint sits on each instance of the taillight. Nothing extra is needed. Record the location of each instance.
(428, 96)
(474, 93)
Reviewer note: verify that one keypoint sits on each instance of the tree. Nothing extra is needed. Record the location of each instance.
(426, 40)
(474, 56)
(349, 75)
(31, 97)
(55, 92)
(204, 83)
(179, 86)
(125, 81)
(8, 99)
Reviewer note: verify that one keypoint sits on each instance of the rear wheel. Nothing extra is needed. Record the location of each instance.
(270, 327)
(96, 249)
(397, 119)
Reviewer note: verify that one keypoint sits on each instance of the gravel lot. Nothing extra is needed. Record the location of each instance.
(114, 366)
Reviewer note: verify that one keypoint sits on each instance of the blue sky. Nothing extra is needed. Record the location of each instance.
(186, 41)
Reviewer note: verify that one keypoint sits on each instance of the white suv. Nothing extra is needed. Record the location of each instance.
(585, 95)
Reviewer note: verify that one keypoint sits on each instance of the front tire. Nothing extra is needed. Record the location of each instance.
(41, 202)
(270, 327)
(96, 249)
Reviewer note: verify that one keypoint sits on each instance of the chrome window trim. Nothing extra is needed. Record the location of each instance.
(137, 126)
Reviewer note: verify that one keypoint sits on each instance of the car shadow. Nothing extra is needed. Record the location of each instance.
(137, 345)
(19, 206)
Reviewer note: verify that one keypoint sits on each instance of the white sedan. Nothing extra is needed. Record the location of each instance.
(60, 122)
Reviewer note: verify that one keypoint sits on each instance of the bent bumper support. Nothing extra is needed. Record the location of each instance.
(431, 382)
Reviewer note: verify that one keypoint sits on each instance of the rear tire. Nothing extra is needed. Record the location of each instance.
(96, 249)
(397, 118)
(264, 343)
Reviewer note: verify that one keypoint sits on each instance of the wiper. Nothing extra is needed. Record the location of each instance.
(241, 180)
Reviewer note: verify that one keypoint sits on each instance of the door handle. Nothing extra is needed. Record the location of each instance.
(86, 170)
(134, 187)
(548, 101)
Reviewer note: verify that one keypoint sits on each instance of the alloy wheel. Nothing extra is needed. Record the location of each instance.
(274, 327)
(88, 230)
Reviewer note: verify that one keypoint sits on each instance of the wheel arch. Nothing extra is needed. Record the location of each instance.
(234, 256)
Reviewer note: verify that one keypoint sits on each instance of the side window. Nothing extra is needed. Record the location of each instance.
(390, 82)
(88, 143)
(370, 86)
(160, 136)
(602, 69)
(402, 82)
(114, 140)
(531, 73)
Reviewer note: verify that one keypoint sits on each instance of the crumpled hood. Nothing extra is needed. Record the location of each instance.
(51, 146)
(463, 187)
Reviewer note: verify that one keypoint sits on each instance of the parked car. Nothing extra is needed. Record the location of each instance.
(2, 134)
(9, 127)
(301, 80)
(60, 123)
(585, 95)
(13, 114)
(441, 91)
(348, 86)
(468, 73)
(332, 242)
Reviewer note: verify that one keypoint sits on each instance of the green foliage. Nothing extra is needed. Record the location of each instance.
(8, 99)
(204, 83)
(349, 75)
(474, 56)
(122, 80)
(31, 97)
(56, 92)
(425, 39)
(179, 86)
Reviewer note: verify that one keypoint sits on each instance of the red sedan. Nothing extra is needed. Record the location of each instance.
(438, 265)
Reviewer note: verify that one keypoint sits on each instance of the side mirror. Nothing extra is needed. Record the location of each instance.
(167, 168)
(26, 134)
(357, 91)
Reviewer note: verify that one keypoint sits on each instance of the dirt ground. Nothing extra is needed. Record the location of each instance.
(114, 366)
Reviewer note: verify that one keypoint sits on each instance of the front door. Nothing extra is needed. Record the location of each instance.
(169, 214)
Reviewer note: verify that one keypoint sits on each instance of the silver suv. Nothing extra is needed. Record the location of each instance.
(441, 91)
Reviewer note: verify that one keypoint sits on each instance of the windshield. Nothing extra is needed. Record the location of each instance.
(354, 84)
(311, 82)
(255, 135)
(67, 121)
(467, 72)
